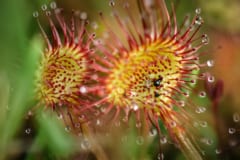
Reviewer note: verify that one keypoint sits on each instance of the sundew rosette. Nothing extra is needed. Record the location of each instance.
(63, 68)
(148, 65)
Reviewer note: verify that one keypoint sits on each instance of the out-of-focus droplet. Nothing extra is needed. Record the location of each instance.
(85, 144)
(44, 7)
(139, 140)
(202, 94)
(53, 5)
(83, 15)
(111, 3)
(35, 14)
(203, 124)
(236, 117)
(198, 11)
(210, 63)
(28, 131)
(160, 156)
(218, 151)
(205, 39)
(210, 79)
(153, 132)
(163, 139)
(231, 130)
(138, 124)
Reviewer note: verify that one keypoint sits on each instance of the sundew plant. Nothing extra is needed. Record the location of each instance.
(116, 79)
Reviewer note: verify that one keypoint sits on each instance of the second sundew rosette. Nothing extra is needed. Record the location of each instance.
(148, 65)
(64, 65)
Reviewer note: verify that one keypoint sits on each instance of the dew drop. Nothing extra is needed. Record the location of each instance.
(85, 144)
(67, 128)
(111, 3)
(231, 130)
(28, 131)
(139, 140)
(210, 63)
(135, 107)
(210, 79)
(138, 124)
(153, 132)
(209, 142)
(77, 125)
(53, 5)
(181, 103)
(81, 117)
(205, 39)
(94, 25)
(198, 11)
(35, 14)
(163, 139)
(83, 89)
(173, 124)
(44, 7)
(98, 122)
(200, 109)
(160, 156)
(60, 116)
(202, 94)
(83, 15)
(203, 124)
(218, 151)
(236, 117)
(198, 20)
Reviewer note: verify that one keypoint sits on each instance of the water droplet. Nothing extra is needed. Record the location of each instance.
(83, 15)
(200, 109)
(44, 7)
(53, 5)
(28, 131)
(198, 20)
(85, 144)
(135, 107)
(203, 124)
(120, 90)
(111, 3)
(163, 139)
(138, 124)
(211, 79)
(83, 89)
(202, 94)
(160, 156)
(67, 128)
(205, 39)
(140, 140)
(60, 116)
(153, 132)
(218, 151)
(81, 117)
(209, 141)
(231, 130)
(196, 124)
(94, 25)
(48, 13)
(210, 63)
(198, 11)
(35, 14)
(173, 124)
(181, 103)
(77, 125)
(98, 122)
(236, 117)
